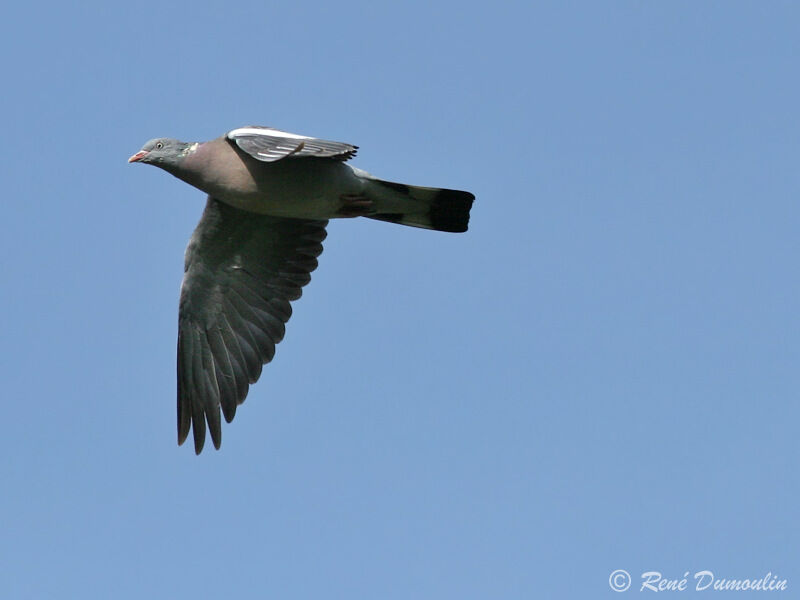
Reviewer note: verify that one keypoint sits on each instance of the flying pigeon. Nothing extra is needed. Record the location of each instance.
(270, 195)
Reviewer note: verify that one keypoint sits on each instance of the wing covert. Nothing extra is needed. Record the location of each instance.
(268, 145)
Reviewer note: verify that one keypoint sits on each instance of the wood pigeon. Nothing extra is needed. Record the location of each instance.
(270, 195)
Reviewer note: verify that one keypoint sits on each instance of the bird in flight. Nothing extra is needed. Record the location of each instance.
(270, 195)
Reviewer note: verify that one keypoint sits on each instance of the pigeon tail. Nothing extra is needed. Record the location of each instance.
(430, 208)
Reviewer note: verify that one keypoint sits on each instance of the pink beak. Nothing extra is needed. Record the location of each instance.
(138, 156)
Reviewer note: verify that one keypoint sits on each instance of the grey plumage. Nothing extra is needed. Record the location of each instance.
(271, 194)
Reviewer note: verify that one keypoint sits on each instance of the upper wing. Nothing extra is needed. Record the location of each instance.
(268, 144)
(241, 271)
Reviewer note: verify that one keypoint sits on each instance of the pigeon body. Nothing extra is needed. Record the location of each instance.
(270, 195)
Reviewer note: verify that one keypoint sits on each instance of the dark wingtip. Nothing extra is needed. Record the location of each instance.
(199, 434)
(198, 444)
(450, 211)
(228, 411)
(183, 428)
(216, 435)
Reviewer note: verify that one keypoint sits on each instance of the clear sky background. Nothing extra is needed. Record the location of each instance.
(601, 374)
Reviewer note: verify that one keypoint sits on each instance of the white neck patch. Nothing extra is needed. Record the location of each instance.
(190, 149)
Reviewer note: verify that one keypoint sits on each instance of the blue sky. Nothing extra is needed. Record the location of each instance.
(601, 374)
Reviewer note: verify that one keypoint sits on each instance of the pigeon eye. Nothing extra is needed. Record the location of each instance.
(159, 146)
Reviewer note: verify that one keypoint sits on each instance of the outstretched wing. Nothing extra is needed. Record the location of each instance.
(241, 271)
(268, 144)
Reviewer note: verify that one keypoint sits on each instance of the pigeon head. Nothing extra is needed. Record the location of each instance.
(163, 152)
